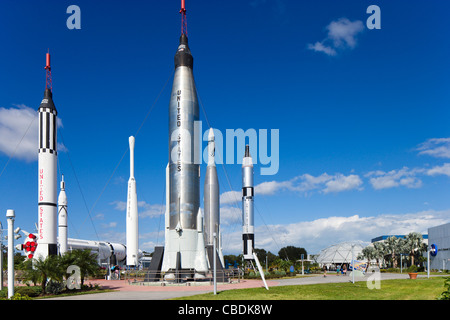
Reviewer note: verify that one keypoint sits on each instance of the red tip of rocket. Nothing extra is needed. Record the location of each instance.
(47, 62)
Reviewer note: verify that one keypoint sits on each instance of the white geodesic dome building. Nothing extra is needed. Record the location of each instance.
(340, 253)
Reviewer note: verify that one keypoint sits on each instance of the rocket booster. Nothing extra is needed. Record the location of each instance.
(132, 223)
(211, 194)
(47, 160)
(248, 232)
(62, 218)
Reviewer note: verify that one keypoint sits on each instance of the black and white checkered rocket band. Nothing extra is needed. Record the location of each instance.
(47, 130)
(247, 192)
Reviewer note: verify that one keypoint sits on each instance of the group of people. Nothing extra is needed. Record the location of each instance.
(339, 270)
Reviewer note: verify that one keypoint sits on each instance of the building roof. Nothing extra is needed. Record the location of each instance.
(381, 238)
(340, 253)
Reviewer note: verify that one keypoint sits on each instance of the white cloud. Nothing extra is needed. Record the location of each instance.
(119, 205)
(341, 183)
(145, 209)
(320, 233)
(320, 47)
(272, 187)
(230, 215)
(109, 225)
(436, 147)
(440, 170)
(150, 210)
(230, 197)
(19, 130)
(324, 183)
(342, 34)
(395, 178)
(14, 123)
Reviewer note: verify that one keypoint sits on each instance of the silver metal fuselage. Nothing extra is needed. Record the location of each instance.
(211, 203)
(184, 174)
(184, 247)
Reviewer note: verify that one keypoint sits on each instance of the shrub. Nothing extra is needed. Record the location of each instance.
(412, 268)
(29, 291)
(54, 287)
(446, 294)
(18, 296)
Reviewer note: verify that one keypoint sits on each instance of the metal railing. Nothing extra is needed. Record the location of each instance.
(180, 277)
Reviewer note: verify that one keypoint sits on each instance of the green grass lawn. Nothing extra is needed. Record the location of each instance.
(404, 289)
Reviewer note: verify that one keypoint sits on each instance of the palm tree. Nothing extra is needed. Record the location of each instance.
(379, 251)
(393, 246)
(85, 260)
(48, 268)
(369, 253)
(414, 244)
(29, 273)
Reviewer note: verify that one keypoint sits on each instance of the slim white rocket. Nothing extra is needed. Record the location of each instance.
(132, 214)
(62, 218)
(248, 232)
(248, 228)
(47, 179)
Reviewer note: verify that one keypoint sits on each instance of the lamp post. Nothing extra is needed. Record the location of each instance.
(214, 262)
(10, 215)
(1, 256)
(353, 266)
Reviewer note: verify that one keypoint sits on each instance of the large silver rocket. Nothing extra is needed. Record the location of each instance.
(182, 249)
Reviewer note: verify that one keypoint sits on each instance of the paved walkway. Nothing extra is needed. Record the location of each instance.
(126, 291)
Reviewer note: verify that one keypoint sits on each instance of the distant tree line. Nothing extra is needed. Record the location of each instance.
(387, 253)
(286, 257)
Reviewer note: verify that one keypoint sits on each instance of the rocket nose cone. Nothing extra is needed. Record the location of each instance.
(47, 102)
(184, 39)
(131, 141)
(183, 57)
(48, 93)
(211, 135)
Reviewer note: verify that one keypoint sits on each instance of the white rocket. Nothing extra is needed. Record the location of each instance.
(248, 227)
(132, 220)
(47, 179)
(62, 218)
(248, 232)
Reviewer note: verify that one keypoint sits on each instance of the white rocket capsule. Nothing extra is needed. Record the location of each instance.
(62, 218)
(132, 222)
(248, 232)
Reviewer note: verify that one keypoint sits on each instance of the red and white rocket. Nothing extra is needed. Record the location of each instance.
(47, 179)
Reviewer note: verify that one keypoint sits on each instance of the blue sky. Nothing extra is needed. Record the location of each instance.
(363, 115)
